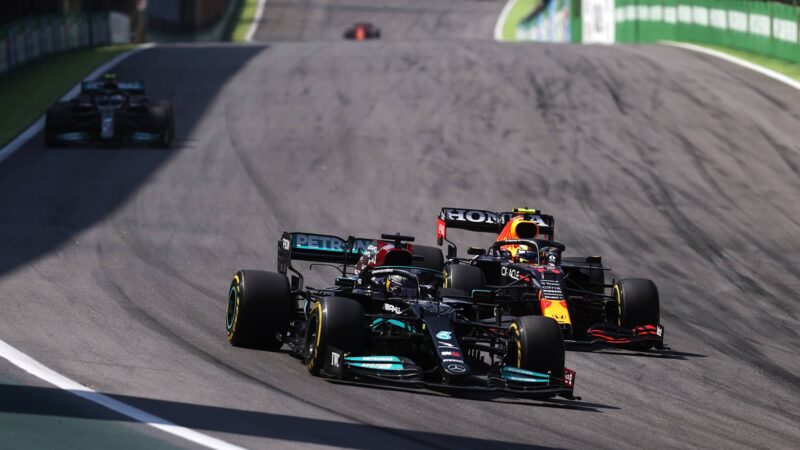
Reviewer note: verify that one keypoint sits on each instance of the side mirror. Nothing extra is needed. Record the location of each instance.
(476, 251)
(451, 251)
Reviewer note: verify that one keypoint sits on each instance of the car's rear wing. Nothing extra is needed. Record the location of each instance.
(321, 248)
(489, 221)
(97, 86)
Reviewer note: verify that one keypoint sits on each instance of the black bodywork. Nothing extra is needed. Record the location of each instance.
(362, 31)
(110, 112)
(423, 338)
(593, 309)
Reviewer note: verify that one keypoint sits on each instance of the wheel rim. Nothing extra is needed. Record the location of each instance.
(618, 296)
(311, 338)
(230, 315)
(514, 346)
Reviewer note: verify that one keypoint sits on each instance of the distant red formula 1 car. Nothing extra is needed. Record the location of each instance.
(362, 31)
(525, 263)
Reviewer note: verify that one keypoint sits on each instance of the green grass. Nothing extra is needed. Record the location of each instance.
(790, 69)
(518, 12)
(246, 16)
(29, 90)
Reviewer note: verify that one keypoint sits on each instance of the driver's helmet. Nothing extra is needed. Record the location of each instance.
(527, 255)
(400, 286)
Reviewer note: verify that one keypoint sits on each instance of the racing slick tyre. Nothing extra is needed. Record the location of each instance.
(464, 277)
(536, 343)
(432, 257)
(337, 322)
(259, 307)
(162, 120)
(637, 302)
(56, 121)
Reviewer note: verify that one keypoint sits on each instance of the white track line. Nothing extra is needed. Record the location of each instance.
(38, 370)
(37, 126)
(257, 18)
(501, 21)
(739, 62)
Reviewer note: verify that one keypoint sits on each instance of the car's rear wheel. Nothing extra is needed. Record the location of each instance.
(259, 309)
(432, 257)
(462, 280)
(536, 343)
(464, 277)
(336, 322)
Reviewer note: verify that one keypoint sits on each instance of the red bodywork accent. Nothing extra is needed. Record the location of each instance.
(638, 334)
(394, 255)
(361, 34)
(569, 378)
(441, 231)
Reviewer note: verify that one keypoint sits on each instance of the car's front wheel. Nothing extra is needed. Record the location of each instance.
(334, 322)
(259, 309)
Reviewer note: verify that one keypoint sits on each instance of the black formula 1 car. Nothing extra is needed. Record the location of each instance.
(362, 31)
(109, 112)
(526, 264)
(388, 319)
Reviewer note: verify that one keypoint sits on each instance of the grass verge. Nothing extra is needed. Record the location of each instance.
(518, 12)
(29, 90)
(790, 69)
(246, 15)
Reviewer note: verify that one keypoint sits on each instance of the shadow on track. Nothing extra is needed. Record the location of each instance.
(571, 405)
(656, 354)
(17, 399)
(47, 196)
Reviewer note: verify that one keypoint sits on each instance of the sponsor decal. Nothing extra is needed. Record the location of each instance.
(378, 366)
(670, 14)
(737, 21)
(453, 354)
(441, 229)
(643, 12)
(473, 216)
(684, 14)
(391, 308)
(444, 335)
(286, 244)
(327, 243)
(450, 360)
(700, 15)
(659, 331)
(446, 345)
(335, 359)
(384, 271)
(373, 358)
(511, 273)
(784, 30)
(457, 368)
(569, 378)
(656, 13)
(551, 290)
(760, 25)
(717, 18)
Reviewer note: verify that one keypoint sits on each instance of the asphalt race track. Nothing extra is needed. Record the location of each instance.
(673, 166)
